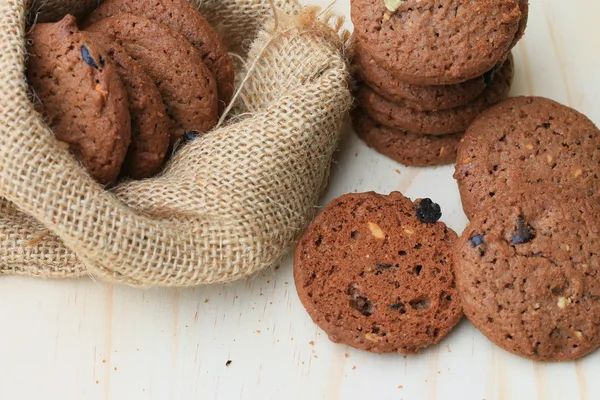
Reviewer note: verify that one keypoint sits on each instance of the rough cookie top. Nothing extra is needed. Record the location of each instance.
(375, 273)
(437, 41)
(527, 270)
(527, 141)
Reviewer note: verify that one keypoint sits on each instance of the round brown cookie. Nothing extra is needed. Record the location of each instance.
(82, 97)
(526, 141)
(187, 86)
(150, 124)
(528, 273)
(437, 42)
(400, 116)
(182, 17)
(374, 276)
(418, 97)
(406, 148)
(524, 7)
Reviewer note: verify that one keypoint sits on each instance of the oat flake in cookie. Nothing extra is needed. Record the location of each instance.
(527, 141)
(82, 97)
(373, 276)
(437, 42)
(528, 273)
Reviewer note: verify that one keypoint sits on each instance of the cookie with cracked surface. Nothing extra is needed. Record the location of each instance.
(181, 17)
(186, 84)
(374, 272)
(149, 121)
(418, 97)
(442, 122)
(82, 97)
(527, 141)
(437, 42)
(527, 271)
(406, 148)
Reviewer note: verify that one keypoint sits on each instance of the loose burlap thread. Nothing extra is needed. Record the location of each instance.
(226, 206)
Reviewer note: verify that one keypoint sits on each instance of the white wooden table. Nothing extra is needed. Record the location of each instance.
(87, 340)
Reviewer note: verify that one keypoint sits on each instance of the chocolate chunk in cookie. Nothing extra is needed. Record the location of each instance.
(82, 97)
(375, 277)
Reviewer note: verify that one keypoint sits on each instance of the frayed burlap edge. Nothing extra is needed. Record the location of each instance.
(226, 206)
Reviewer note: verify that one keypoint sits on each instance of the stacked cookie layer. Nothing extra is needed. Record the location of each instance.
(141, 76)
(426, 69)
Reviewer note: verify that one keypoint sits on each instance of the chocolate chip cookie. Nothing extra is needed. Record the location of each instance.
(527, 271)
(82, 97)
(187, 86)
(417, 97)
(527, 141)
(401, 116)
(437, 42)
(149, 121)
(406, 148)
(181, 17)
(374, 272)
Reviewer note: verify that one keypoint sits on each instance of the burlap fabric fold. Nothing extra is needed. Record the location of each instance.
(226, 206)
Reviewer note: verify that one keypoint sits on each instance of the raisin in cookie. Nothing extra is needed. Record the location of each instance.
(374, 272)
(437, 42)
(406, 148)
(527, 271)
(186, 84)
(149, 121)
(182, 17)
(82, 97)
(401, 116)
(527, 141)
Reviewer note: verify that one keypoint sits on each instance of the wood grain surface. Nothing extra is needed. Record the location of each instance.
(87, 340)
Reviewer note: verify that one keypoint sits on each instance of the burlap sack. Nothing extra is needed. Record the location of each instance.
(226, 206)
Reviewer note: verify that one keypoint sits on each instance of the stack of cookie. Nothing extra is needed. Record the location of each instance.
(426, 69)
(528, 265)
(140, 77)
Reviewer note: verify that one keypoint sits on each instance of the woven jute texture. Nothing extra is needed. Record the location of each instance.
(226, 206)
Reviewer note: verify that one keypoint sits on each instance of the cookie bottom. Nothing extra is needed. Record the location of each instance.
(406, 148)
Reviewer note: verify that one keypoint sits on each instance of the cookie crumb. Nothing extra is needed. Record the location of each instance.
(312, 343)
(228, 363)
